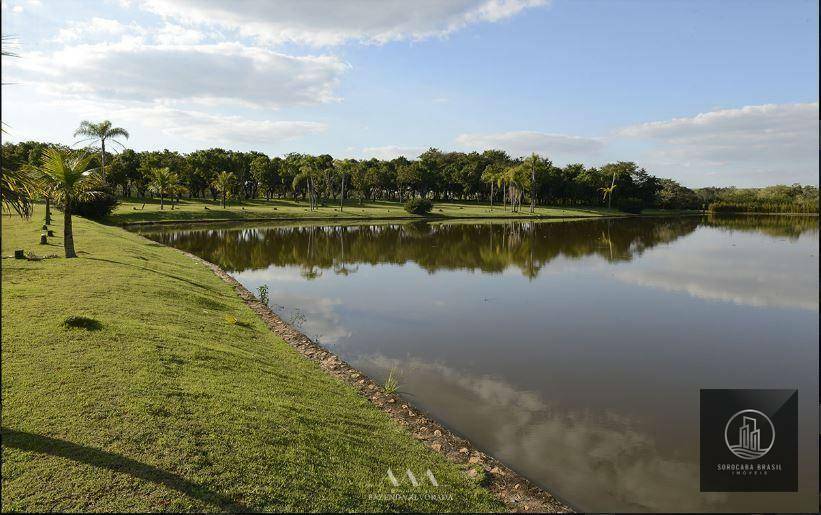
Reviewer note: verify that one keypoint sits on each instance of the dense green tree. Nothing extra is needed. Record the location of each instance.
(672, 195)
(265, 172)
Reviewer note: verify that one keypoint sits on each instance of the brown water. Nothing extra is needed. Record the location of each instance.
(573, 351)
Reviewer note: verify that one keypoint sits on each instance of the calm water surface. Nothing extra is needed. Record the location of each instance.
(573, 351)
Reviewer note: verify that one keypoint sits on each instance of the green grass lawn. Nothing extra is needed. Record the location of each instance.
(132, 210)
(161, 403)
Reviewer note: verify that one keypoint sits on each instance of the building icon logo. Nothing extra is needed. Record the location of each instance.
(749, 434)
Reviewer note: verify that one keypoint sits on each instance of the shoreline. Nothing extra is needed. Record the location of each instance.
(435, 218)
(337, 219)
(517, 492)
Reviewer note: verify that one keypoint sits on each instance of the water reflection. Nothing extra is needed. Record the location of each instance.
(599, 450)
(485, 247)
(572, 351)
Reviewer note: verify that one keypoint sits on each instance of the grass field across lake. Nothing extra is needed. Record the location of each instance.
(165, 392)
(134, 210)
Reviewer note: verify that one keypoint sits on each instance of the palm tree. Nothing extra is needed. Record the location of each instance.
(533, 160)
(491, 176)
(101, 132)
(608, 192)
(308, 172)
(69, 178)
(163, 182)
(223, 183)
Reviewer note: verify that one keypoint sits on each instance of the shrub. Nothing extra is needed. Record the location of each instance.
(97, 206)
(419, 206)
(81, 322)
(630, 205)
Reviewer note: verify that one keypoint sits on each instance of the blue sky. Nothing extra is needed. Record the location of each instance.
(704, 92)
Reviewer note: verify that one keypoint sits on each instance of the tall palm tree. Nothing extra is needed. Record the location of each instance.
(101, 132)
(490, 175)
(163, 182)
(70, 178)
(223, 183)
(533, 160)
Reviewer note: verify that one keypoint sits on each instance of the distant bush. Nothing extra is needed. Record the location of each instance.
(762, 207)
(419, 206)
(630, 205)
(98, 205)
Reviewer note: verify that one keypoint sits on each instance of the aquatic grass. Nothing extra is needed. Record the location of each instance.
(392, 382)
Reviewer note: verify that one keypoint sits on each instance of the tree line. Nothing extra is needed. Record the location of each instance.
(490, 176)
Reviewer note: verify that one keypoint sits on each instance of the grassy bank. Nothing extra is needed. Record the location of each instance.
(175, 396)
(133, 210)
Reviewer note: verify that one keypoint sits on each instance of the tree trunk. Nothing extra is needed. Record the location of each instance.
(68, 234)
(342, 195)
(612, 186)
(491, 196)
(102, 159)
(223, 200)
(48, 210)
(533, 184)
(162, 204)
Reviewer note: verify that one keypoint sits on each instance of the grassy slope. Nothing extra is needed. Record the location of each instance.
(171, 407)
(133, 211)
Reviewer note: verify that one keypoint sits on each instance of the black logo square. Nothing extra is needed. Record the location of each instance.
(749, 440)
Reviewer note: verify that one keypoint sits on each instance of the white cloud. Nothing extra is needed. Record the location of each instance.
(222, 72)
(332, 23)
(172, 34)
(96, 27)
(761, 143)
(749, 146)
(392, 152)
(200, 126)
(185, 127)
(520, 143)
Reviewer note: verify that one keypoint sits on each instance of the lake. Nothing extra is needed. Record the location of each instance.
(572, 351)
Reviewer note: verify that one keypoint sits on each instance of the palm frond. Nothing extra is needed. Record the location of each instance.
(18, 188)
(117, 132)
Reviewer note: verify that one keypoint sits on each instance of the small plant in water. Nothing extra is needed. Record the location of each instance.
(392, 382)
(263, 294)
